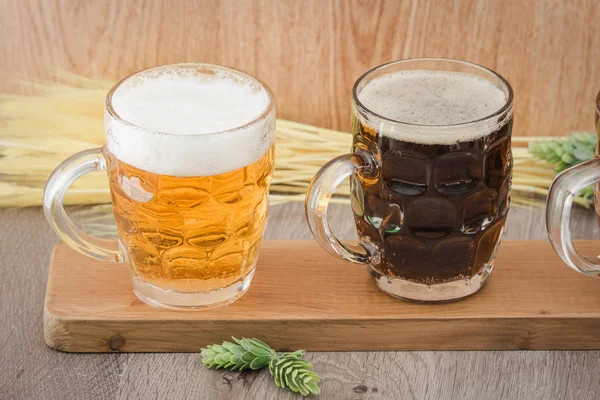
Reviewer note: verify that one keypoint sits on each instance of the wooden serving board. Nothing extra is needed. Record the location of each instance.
(303, 298)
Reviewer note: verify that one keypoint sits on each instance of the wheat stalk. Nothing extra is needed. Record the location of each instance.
(66, 116)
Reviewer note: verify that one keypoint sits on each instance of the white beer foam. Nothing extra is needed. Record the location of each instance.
(428, 99)
(177, 121)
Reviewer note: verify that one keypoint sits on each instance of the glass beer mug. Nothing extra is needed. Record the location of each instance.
(430, 174)
(558, 209)
(189, 158)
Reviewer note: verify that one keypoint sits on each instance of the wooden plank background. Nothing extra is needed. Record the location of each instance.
(311, 51)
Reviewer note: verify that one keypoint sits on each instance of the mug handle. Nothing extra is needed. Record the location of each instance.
(319, 193)
(60, 180)
(558, 214)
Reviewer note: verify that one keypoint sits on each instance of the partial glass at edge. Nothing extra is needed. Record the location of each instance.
(560, 201)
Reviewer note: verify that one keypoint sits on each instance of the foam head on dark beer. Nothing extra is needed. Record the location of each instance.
(431, 98)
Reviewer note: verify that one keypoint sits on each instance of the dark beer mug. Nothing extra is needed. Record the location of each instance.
(558, 209)
(430, 174)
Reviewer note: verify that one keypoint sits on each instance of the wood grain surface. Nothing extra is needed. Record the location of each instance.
(301, 297)
(31, 370)
(310, 52)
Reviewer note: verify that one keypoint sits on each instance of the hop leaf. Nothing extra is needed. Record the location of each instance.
(289, 369)
(241, 355)
(292, 372)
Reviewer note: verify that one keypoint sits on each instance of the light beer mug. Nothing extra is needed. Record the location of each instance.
(189, 157)
(558, 209)
(430, 174)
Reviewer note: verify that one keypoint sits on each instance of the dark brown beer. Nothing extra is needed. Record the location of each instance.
(436, 209)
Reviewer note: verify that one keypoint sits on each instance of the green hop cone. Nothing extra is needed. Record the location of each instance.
(586, 193)
(292, 372)
(566, 152)
(241, 355)
(288, 369)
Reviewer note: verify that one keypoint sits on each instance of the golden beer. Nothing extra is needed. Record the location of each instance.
(189, 155)
(192, 234)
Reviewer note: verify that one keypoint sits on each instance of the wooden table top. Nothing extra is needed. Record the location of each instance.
(30, 370)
